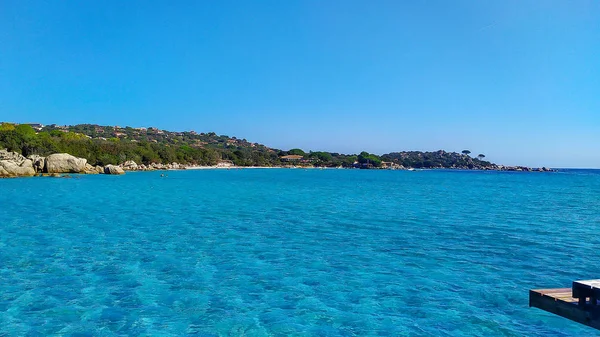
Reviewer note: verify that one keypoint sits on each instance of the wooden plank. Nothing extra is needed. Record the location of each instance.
(561, 302)
(558, 293)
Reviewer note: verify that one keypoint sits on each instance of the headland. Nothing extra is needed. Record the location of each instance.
(35, 149)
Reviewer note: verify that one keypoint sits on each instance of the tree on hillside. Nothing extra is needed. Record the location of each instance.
(26, 139)
(297, 152)
(368, 158)
(481, 156)
(7, 127)
(25, 131)
(466, 152)
(321, 156)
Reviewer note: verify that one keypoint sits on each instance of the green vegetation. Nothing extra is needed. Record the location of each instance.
(297, 152)
(102, 145)
(437, 159)
(367, 159)
(109, 145)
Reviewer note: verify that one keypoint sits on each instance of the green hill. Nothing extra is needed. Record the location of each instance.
(103, 145)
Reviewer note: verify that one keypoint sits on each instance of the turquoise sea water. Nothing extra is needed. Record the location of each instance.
(294, 252)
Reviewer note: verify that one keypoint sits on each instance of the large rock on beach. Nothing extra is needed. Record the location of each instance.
(10, 168)
(130, 165)
(38, 162)
(13, 156)
(112, 169)
(13, 164)
(157, 166)
(64, 163)
(89, 169)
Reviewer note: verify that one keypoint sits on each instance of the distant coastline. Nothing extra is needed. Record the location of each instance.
(114, 150)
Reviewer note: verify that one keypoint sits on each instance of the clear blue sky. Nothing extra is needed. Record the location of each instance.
(516, 80)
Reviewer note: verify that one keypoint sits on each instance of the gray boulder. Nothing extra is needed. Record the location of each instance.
(13, 164)
(130, 165)
(11, 168)
(38, 162)
(112, 169)
(89, 169)
(64, 163)
(13, 156)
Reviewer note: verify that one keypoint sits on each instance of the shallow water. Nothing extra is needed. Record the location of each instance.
(294, 252)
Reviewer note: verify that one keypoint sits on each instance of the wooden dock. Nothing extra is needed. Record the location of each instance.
(578, 303)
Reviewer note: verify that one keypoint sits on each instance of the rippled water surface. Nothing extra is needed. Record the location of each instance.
(294, 252)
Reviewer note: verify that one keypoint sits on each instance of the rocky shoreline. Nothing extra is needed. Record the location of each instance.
(495, 167)
(13, 164)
